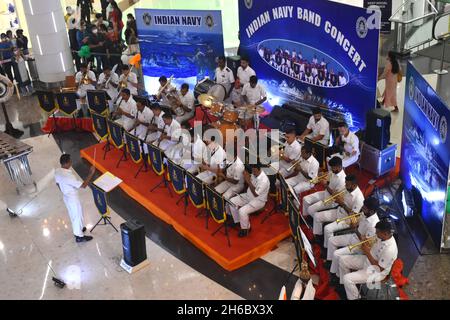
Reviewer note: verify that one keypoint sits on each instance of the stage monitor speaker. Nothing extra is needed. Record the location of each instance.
(234, 62)
(378, 126)
(133, 242)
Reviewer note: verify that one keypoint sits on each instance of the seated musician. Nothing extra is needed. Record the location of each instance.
(232, 176)
(214, 161)
(254, 93)
(224, 75)
(307, 170)
(182, 148)
(165, 88)
(109, 81)
(185, 103)
(236, 98)
(351, 200)
(374, 265)
(253, 200)
(363, 228)
(157, 124)
(127, 110)
(128, 80)
(196, 152)
(143, 119)
(84, 80)
(346, 146)
(170, 135)
(318, 128)
(290, 154)
(335, 183)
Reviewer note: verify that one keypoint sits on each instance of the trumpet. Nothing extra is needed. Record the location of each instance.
(352, 217)
(319, 178)
(161, 90)
(371, 241)
(334, 196)
(85, 80)
(295, 164)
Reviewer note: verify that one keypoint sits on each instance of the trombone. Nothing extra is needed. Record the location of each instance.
(296, 163)
(371, 241)
(319, 178)
(334, 196)
(353, 216)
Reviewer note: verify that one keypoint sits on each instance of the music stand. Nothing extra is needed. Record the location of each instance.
(193, 184)
(47, 104)
(156, 159)
(100, 125)
(102, 206)
(283, 187)
(136, 152)
(67, 103)
(215, 204)
(177, 176)
(98, 101)
(116, 136)
(319, 151)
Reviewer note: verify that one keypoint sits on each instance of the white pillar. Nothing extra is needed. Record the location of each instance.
(48, 36)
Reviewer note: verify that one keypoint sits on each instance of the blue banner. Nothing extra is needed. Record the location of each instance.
(134, 147)
(176, 174)
(100, 125)
(195, 191)
(100, 200)
(216, 205)
(156, 159)
(426, 149)
(314, 53)
(182, 43)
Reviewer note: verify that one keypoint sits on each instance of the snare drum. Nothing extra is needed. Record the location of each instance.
(231, 116)
(217, 109)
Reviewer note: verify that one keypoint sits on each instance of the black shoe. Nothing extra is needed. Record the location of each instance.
(230, 223)
(83, 239)
(84, 229)
(243, 233)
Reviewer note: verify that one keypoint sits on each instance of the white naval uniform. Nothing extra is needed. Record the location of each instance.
(322, 127)
(224, 77)
(351, 143)
(129, 107)
(293, 152)
(245, 74)
(354, 200)
(196, 153)
(145, 117)
(366, 228)
(69, 185)
(112, 92)
(188, 101)
(299, 182)
(236, 172)
(169, 89)
(132, 78)
(315, 202)
(218, 156)
(385, 252)
(247, 203)
(83, 88)
(159, 122)
(254, 94)
(174, 132)
(181, 150)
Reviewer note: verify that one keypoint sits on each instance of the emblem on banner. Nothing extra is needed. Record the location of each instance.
(99, 200)
(99, 125)
(215, 205)
(361, 27)
(209, 21)
(443, 128)
(174, 175)
(248, 3)
(194, 190)
(96, 100)
(147, 19)
(46, 99)
(411, 87)
(65, 102)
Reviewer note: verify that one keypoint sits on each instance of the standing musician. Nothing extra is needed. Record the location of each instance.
(224, 75)
(351, 201)
(290, 154)
(318, 128)
(109, 81)
(363, 229)
(157, 124)
(214, 161)
(185, 103)
(307, 170)
(128, 80)
(127, 110)
(335, 183)
(85, 80)
(143, 120)
(164, 90)
(346, 146)
(244, 72)
(232, 176)
(253, 200)
(171, 134)
(374, 265)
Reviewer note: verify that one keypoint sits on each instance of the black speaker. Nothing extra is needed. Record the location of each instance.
(378, 128)
(234, 62)
(133, 242)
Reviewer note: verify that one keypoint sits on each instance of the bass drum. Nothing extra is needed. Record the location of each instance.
(218, 91)
(6, 89)
(203, 87)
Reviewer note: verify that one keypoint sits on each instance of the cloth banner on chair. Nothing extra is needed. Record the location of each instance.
(156, 159)
(134, 147)
(47, 101)
(100, 200)
(67, 102)
(195, 191)
(215, 205)
(116, 134)
(100, 125)
(176, 174)
(97, 101)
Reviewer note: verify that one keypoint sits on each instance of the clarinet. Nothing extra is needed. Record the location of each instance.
(159, 140)
(146, 134)
(112, 113)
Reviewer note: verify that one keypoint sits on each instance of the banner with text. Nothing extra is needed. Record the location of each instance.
(314, 53)
(182, 43)
(426, 150)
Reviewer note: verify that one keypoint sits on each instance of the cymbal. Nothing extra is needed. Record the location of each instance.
(251, 109)
(206, 100)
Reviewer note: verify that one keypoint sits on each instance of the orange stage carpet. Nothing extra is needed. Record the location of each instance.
(262, 238)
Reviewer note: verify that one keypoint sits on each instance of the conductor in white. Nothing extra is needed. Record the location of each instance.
(69, 184)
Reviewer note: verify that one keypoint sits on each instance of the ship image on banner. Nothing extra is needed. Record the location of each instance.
(182, 43)
(314, 53)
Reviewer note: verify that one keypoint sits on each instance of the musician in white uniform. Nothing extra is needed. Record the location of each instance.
(335, 183)
(157, 124)
(84, 80)
(318, 128)
(215, 161)
(364, 228)
(109, 81)
(128, 80)
(351, 145)
(244, 72)
(185, 103)
(224, 75)
(196, 153)
(171, 134)
(254, 93)
(351, 201)
(291, 153)
(233, 177)
(69, 185)
(307, 170)
(143, 120)
(182, 149)
(166, 88)
(374, 265)
(127, 110)
(253, 200)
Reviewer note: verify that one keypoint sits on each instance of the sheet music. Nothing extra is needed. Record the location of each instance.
(107, 182)
(307, 246)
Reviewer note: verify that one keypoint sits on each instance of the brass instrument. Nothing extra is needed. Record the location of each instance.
(353, 218)
(161, 90)
(319, 178)
(335, 196)
(371, 241)
(85, 80)
(295, 164)
(124, 83)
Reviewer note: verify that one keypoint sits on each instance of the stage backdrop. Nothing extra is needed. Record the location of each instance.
(425, 149)
(286, 39)
(182, 43)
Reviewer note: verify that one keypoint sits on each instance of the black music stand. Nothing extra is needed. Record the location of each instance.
(175, 171)
(276, 208)
(102, 206)
(156, 159)
(136, 151)
(67, 103)
(98, 101)
(202, 212)
(9, 129)
(319, 151)
(47, 104)
(216, 206)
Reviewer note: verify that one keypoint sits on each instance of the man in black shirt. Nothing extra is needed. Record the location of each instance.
(97, 45)
(86, 8)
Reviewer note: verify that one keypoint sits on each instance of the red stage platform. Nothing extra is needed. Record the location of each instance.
(64, 124)
(263, 237)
